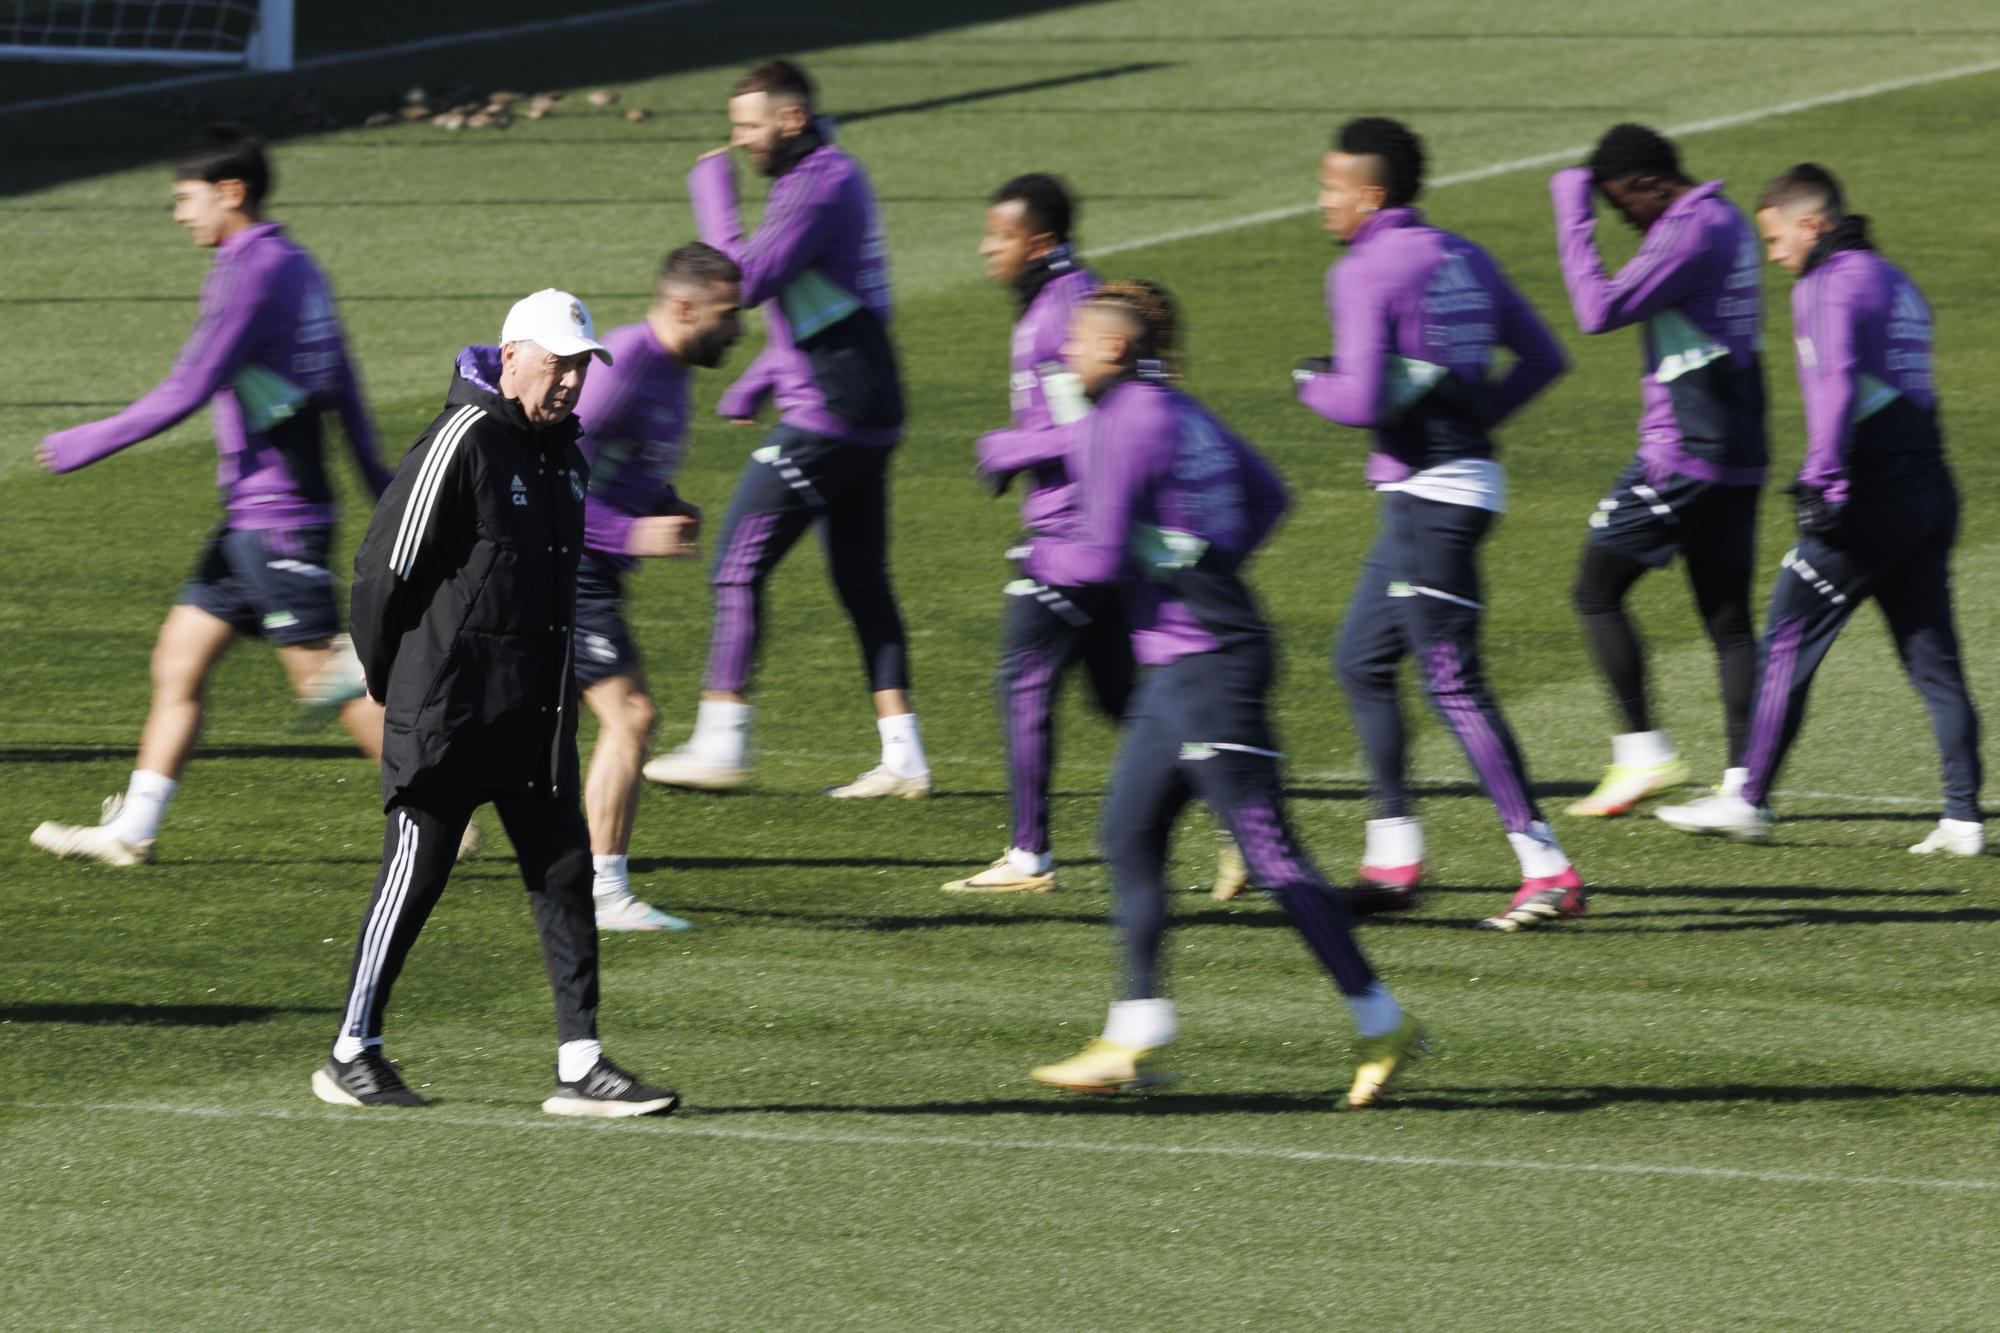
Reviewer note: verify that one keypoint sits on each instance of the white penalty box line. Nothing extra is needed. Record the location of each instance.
(405, 1120)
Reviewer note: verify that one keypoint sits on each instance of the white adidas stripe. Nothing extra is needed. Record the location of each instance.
(381, 926)
(416, 516)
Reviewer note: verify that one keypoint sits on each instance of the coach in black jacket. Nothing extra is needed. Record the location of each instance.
(463, 604)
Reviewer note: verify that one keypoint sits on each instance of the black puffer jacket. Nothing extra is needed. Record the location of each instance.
(465, 598)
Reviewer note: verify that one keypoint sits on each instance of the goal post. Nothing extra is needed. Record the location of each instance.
(249, 34)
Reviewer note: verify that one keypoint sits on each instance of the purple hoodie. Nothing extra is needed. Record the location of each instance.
(818, 264)
(1696, 285)
(1036, 443)
(1418, 315)
(266, 352)
(1864, 341)
(635, 416)
(1170, 504)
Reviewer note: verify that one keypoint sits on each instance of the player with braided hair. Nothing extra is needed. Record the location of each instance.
(1173, 504)
(1420, 317)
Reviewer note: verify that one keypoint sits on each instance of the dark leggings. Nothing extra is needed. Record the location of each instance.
(1722, 598)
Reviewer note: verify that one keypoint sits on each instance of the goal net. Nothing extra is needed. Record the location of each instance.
(252, 33)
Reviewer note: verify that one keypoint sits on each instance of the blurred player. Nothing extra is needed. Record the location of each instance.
(1046, 631)
(465, 619)
(1172, 505)
(1418, 317)
(635, 419)
(1692, 489)
(1877, 508)
(267, 354)
(818, 264)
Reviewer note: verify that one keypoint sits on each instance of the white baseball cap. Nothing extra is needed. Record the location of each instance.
(556, 322)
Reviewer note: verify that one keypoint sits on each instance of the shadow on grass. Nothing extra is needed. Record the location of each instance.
(650, 864)
(1589, 1097)
(154, 1015)
(91, 754)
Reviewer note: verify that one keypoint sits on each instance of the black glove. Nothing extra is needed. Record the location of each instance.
(1817, 516)
(995, 483)
(1311, 366)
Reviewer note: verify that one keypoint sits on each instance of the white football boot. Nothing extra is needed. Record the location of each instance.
(1954, 837)
(92, 842)
(881, 782)
(1728, 816)
(689, 767)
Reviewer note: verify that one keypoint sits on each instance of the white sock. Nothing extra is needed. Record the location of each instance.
(1376, 1013)
(1394, 842)
(722, 731)
(611, 879)
(902, 751)
(574, 1059)
(1144, 1023)
(345, 1048)
(1642, 749)
(1733, 780)
(1541, 855)
(1963, 828)
(146, 800)
(1031, 863)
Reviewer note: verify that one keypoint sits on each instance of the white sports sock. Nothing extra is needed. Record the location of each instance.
(1394, 842)
(722, 731)
(610, 877)
(1963, 828)
(1375, 1013)
(574, 1059)
(1144, 1023)
(902, 750)
(1031, 863)
(1733, 780)
(345, 1048)
(146, 800)
(1541, 855)
(1642, 749)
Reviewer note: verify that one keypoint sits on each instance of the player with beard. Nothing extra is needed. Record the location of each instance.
(818, 265)
(634, 414)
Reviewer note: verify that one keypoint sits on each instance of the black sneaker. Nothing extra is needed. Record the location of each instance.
(366, 1080)
(610, 1092)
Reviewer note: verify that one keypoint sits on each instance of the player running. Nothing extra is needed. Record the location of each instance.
(1046, 630)
(1692, 489)
(818, 264)
(634, 414)
(1418, 316)
(267, 354)
(1877, 508)
(1172, 505)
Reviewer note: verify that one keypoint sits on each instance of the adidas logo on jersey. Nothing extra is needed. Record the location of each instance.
(520, 489)
(1909, 318)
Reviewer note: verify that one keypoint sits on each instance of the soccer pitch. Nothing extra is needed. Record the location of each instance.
(1756, 1087)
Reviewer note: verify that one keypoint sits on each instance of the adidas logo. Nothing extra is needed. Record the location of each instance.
(520, 489)
(1909, 318)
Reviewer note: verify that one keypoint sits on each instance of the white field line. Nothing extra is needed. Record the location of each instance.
(1565, 156)
(670, 1129)
(333, 59)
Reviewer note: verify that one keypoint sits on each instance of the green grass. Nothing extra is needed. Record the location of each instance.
(862, 1147)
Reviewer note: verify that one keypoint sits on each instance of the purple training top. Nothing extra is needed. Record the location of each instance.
(1418, 314)
(1864, 340)
(1170, 503)
(817, 257)
(1037, 444)
(1696, 286)
(267, 352)
(634, 414)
